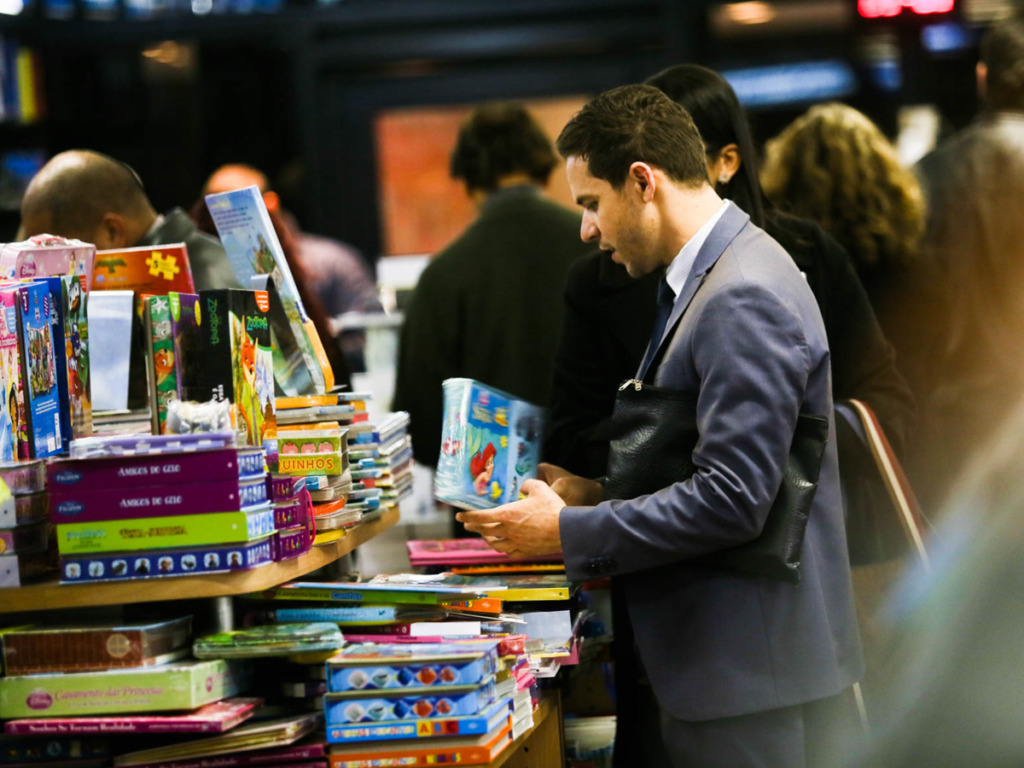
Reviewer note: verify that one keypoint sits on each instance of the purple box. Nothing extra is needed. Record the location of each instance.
(162, 469)
(288, 514)
(285, 487)
(80, 505)
(292, 542)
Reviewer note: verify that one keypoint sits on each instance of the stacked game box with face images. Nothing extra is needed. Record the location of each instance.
(312, 449)
(154, 506)
(416, 704)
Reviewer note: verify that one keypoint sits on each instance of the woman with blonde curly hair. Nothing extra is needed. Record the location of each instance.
(834, 165)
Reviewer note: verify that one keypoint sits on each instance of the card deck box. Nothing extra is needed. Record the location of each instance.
(209, 466)
(86, 503)
(88, 647)
(164, 532)
(162, 563)
(182, 685)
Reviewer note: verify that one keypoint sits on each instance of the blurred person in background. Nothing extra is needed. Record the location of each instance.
(957, 673)
(489, 305)
(100, 200)
(972, 266)
(610, 315)
(834, 166)
(337, 273)
(244, 176)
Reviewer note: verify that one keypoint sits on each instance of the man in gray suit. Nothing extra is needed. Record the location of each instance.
(743, 670)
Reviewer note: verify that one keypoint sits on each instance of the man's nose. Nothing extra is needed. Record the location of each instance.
(588, 230)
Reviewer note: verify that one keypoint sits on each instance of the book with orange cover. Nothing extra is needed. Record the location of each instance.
(412, 753)
(152, 269)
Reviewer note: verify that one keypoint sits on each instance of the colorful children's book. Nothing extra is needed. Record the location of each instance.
(490, 444)
(74, 305)
(58, 323)
(225, 464)
(161, 371)
(152, 269)
(269, 640)
(309, 752)
(377, 705)
(365, 592)
(388, 666)
(148, 445)
(300, 362)
(14, 441)
(186, 315)
(237, 360)
(83, 647)
(218, 717)
(424, 728)
(362, 614)
(509, 587)
(39, 370)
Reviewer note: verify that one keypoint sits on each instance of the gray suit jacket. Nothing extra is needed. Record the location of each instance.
(747, 339)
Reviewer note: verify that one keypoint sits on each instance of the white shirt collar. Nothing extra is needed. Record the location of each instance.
(682, 264)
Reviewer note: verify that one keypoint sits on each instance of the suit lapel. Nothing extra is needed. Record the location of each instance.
(724, 232)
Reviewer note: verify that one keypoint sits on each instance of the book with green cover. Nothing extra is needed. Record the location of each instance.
(519, 587)
(269, 640)
(365, 592)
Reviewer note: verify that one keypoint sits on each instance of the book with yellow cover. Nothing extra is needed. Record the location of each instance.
(411, 753)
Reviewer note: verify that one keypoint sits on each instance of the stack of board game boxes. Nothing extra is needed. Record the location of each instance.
(148, 507)
(128, 694)
(24, 552)
(415, 705)
(110, 683)
(312, 444)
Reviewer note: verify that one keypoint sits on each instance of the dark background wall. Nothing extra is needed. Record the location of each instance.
(295, 92)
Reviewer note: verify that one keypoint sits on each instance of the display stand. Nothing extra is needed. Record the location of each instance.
(543, 746)
(50, 595)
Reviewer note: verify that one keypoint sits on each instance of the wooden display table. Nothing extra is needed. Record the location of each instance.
(543, 746)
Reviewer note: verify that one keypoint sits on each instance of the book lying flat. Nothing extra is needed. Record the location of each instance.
(367, 592)
(261, 735)
(509, 588)
(218, 717)
(424, 728)
(310, 752)
(465, 551)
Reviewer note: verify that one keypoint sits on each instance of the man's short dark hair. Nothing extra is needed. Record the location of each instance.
(501, 139)
(1002, 52)
(635, 123)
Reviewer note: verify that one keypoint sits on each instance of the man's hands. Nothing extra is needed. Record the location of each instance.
(575, 491)
(530, 526)
(526, 527)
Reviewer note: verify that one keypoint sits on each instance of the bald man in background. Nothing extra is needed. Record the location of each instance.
(92, 197)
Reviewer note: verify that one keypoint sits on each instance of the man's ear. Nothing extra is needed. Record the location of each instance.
(113, 232)
(641, 177)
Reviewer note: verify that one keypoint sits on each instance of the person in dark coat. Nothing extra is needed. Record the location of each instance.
(609, 315)
(489, 306)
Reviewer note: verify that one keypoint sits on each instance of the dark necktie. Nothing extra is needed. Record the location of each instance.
(666, 298)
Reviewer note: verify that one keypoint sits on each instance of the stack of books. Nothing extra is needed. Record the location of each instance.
(312, 443)
(24, 544)
(155, 506)
(381, 456)
(94, 679)
(416, 705)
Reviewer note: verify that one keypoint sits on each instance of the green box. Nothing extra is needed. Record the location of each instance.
(185, 685)
(164, 532)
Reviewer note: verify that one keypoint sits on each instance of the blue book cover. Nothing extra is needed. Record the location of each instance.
(57, 321)
(466, 725)
(490, 444)
(248, 237)
(363, 614)
(39, 370)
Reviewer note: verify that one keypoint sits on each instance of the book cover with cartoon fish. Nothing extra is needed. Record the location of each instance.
(490, 444)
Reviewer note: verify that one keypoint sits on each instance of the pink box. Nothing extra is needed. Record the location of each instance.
(45, 256)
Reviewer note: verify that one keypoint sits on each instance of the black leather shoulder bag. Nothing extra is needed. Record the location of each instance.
(653, 434)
